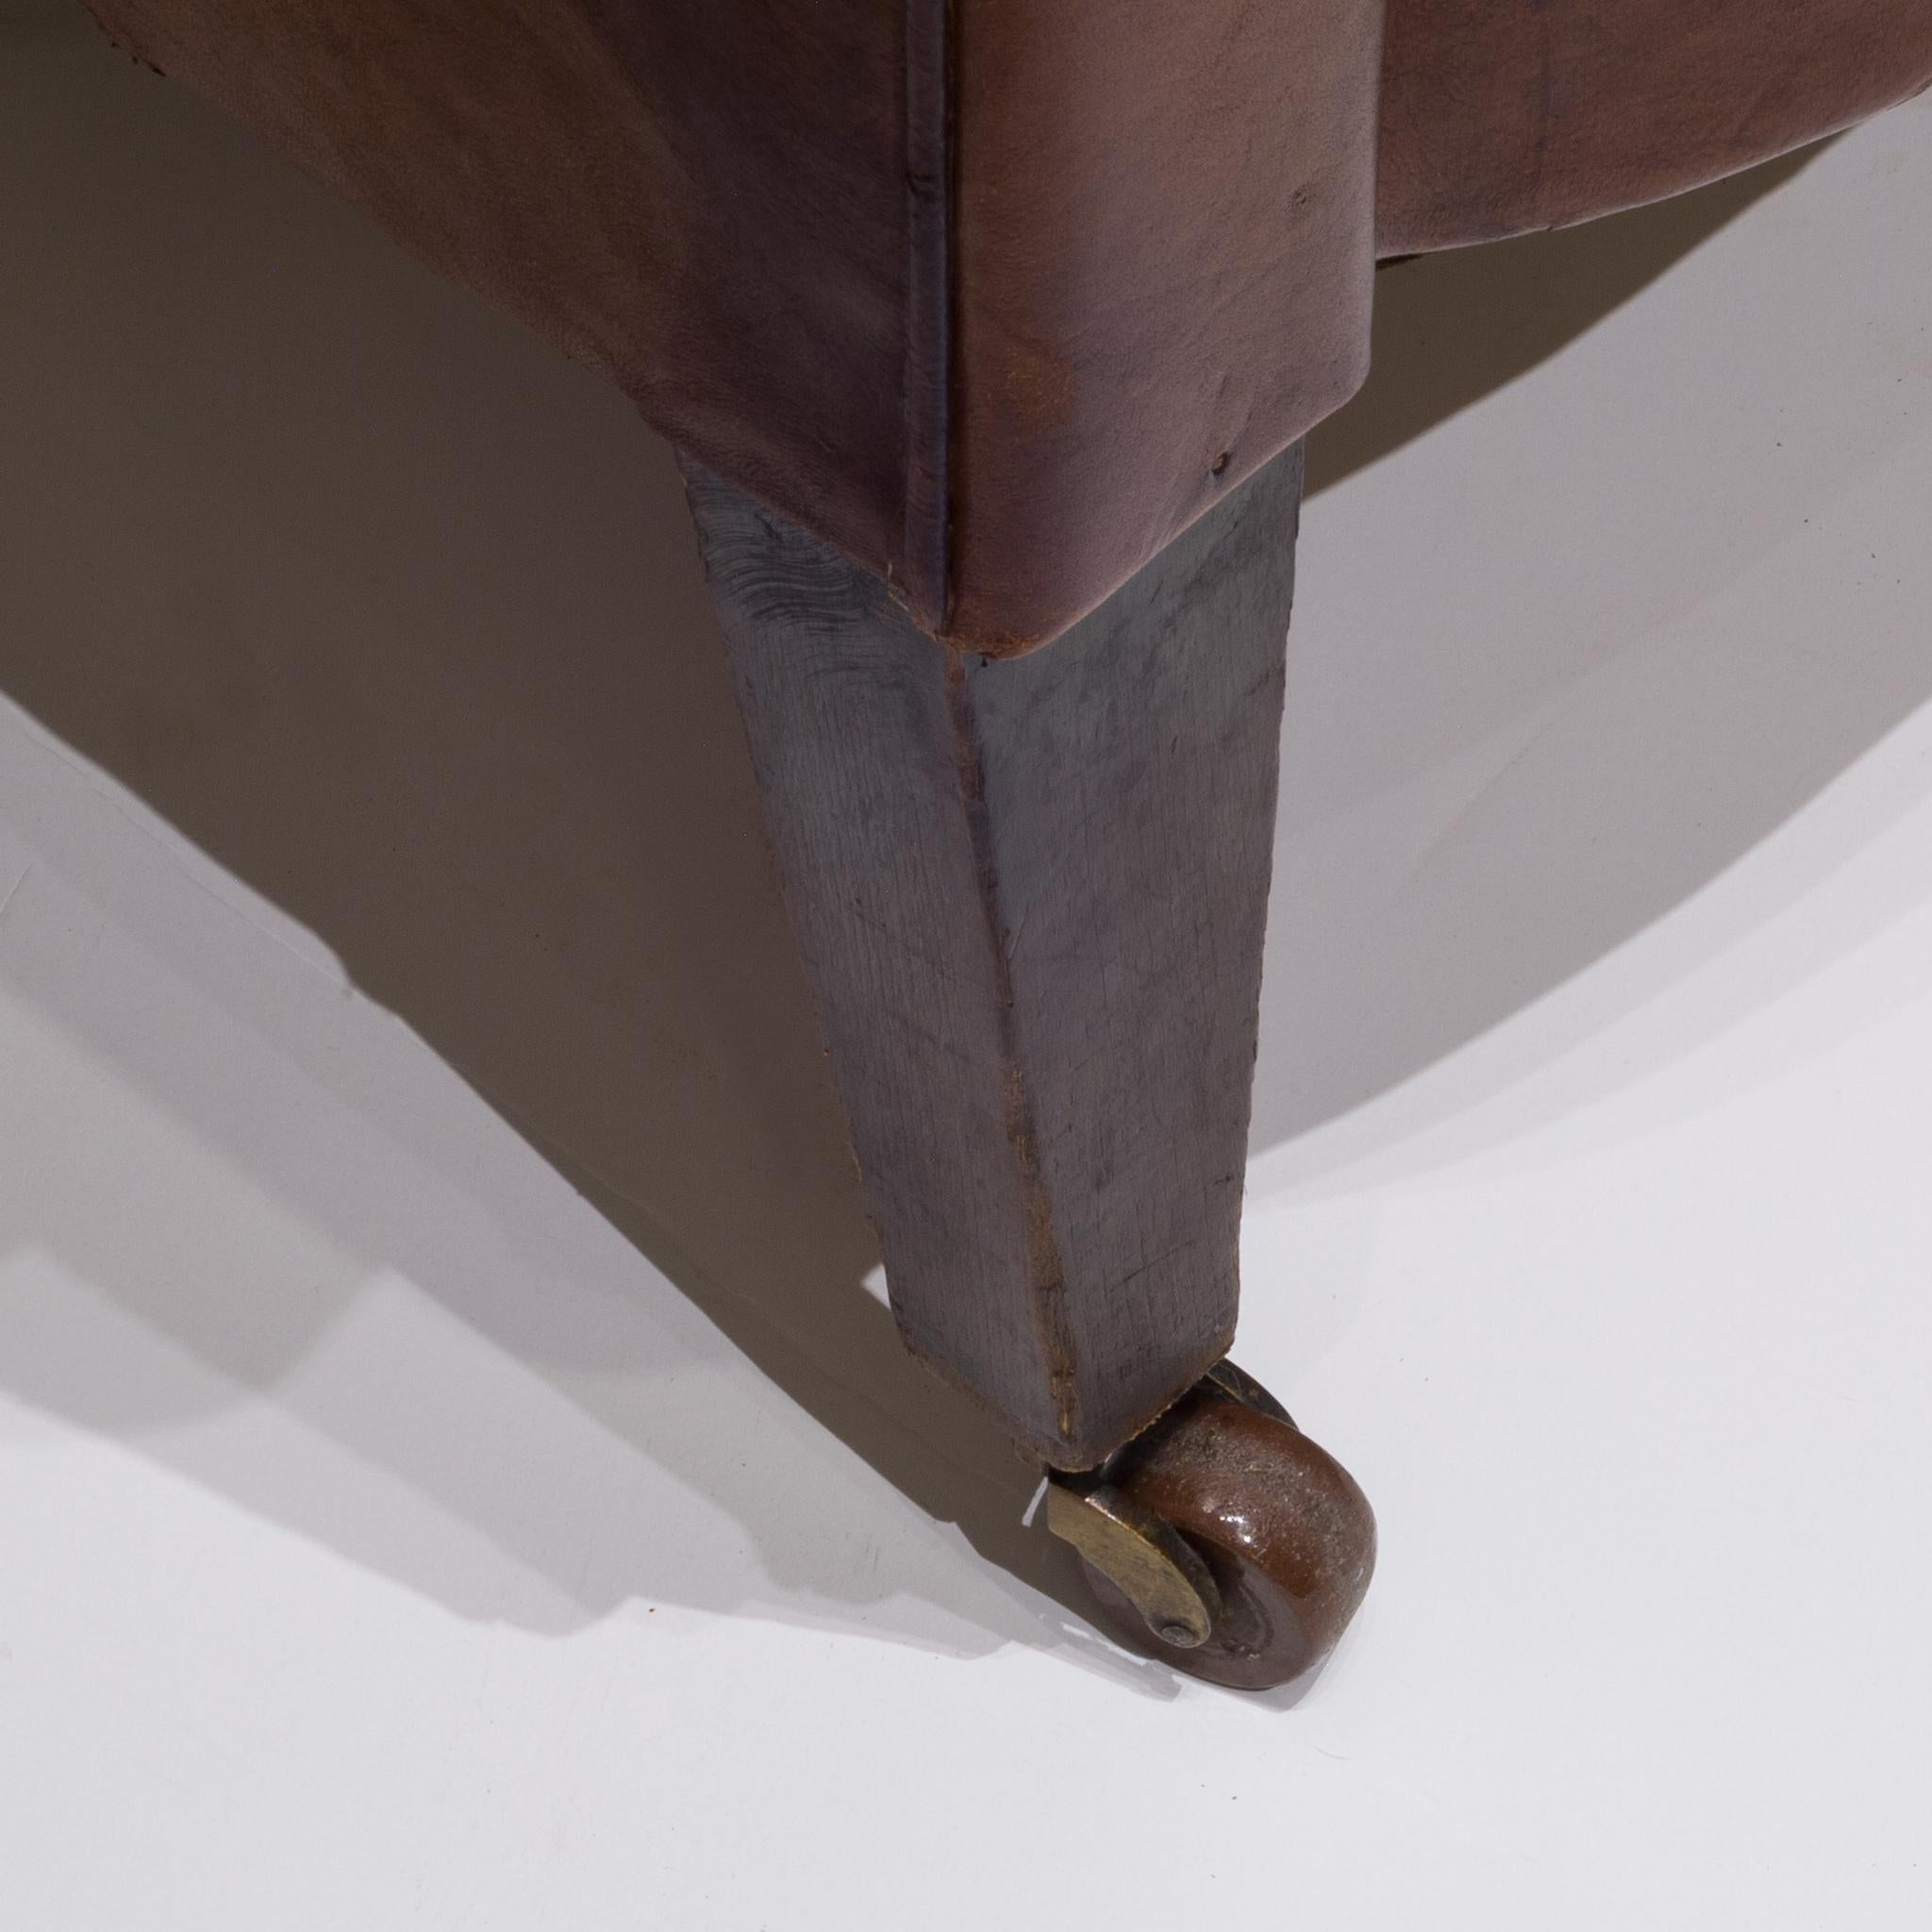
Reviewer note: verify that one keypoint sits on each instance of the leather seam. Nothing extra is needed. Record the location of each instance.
(930, 30)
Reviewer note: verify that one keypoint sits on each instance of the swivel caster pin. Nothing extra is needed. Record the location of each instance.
(1222, 1539)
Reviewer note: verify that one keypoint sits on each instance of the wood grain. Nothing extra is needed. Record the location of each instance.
(1031, 895)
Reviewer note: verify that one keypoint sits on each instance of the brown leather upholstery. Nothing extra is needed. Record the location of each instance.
(1163, 276)
(997, 295)
(1500, 116)
(704, 199)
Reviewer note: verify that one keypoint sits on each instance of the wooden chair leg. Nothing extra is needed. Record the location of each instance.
(1031, 895)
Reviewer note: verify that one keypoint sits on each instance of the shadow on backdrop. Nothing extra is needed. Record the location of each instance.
(1452, 329)
(1491, 789)
(400, 618)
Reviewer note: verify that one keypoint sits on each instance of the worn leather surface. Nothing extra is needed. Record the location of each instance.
(995, 296)
(998, 295)
(1164, 262)
(1500, 116)
(704, 199)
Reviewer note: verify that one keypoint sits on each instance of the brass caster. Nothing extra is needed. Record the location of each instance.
(1222, 1539)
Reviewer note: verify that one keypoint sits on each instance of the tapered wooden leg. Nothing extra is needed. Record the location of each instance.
(1030, 894)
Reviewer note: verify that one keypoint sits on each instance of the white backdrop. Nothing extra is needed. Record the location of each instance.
(452, 1471)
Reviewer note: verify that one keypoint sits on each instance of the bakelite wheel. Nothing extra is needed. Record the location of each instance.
(1223, 1540)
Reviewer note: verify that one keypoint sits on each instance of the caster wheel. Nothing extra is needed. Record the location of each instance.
(1222, 1540)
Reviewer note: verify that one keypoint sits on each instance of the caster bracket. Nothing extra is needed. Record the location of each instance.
(1151, 1563)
